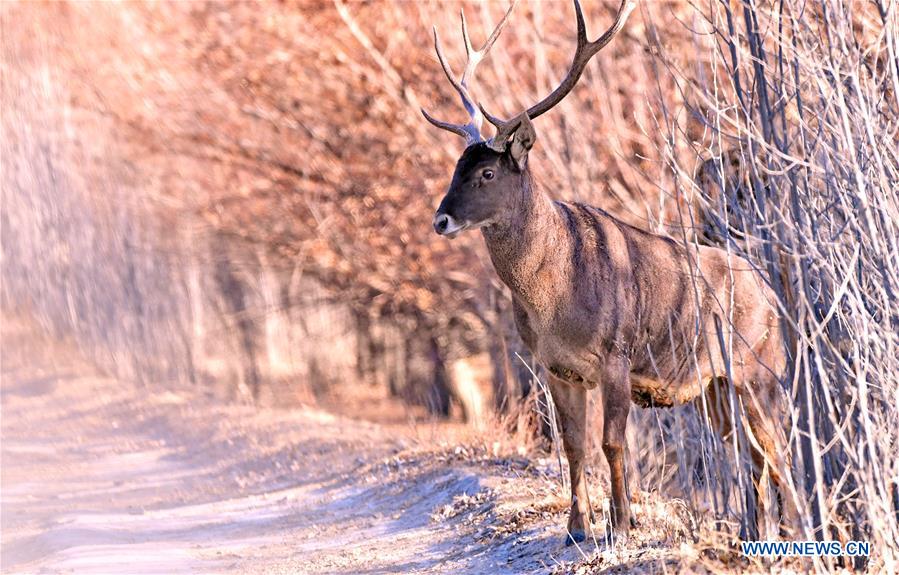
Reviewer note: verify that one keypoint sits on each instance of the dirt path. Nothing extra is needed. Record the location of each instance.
(106, 476)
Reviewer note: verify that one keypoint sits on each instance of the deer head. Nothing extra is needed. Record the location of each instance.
(490, 175)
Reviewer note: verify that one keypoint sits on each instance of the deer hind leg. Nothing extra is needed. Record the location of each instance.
(722, 406)
(766, 417)
(763, 444)
(571, 405)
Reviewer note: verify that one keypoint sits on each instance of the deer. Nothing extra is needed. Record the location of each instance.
(603, 305)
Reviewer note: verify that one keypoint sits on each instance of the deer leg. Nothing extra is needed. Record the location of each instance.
(571, 405)
(718, 396)
(766, 437)
(762, 409)
(616, 406)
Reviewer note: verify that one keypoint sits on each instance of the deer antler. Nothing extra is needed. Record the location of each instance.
(585, 51)
(472, 130)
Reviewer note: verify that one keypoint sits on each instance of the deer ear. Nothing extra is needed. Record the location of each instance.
(522, 141)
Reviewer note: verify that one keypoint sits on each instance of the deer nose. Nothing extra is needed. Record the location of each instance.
(441, 223)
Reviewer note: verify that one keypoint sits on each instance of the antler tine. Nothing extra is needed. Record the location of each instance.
(624, 12)
(491, 40)
(454, 128)
(476, 56)
(582, 39)
(504, 128)
(471, 131)
(582, 55)
(465, 38)
(585, 51)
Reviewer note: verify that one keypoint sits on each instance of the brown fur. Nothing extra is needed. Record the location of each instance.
(604, 305)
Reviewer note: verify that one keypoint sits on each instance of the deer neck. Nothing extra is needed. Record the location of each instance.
(522, 245)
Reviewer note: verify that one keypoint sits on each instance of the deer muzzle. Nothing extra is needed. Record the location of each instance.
(447, 225)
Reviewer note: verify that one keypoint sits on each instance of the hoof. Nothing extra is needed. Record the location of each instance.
(618, 535)
(575, 537)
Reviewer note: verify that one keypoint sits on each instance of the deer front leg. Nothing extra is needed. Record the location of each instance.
(571, 405)
(616, 405)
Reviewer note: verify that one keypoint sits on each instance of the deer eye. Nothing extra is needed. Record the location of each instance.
(487, 174)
